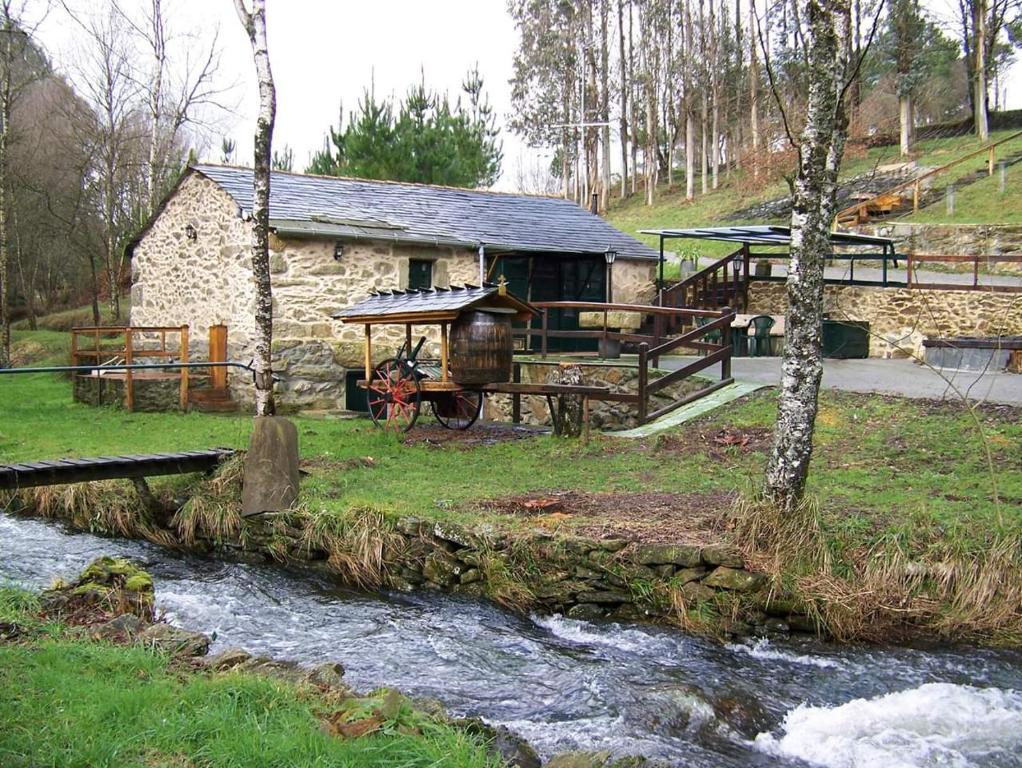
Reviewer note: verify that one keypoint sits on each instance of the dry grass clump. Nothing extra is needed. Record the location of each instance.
(214, 509)
(111, 507)
(505, 575)
(885, 592)
(360, 543)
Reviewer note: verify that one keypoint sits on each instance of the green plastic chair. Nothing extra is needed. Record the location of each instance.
(759, 342)
(712, 337)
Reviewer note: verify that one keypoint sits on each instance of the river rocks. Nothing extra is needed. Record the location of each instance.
(175, 641)
(513, 750)
(661, 554)
(734, 579)
(123, 628)
(608, 596)
(603, 759)
(720, 555)
(587, 611)
(455, 534)
(227, 659)
(441, 569)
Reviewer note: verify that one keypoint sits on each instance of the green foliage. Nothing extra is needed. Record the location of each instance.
(424, 138)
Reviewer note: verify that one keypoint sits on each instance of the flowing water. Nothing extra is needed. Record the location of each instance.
(566, 684)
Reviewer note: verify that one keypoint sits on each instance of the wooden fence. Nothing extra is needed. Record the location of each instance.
(107, 345)
(708, 324)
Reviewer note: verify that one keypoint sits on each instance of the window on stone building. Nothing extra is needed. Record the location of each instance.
(420, 274)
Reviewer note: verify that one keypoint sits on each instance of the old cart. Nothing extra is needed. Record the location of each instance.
(476, 349)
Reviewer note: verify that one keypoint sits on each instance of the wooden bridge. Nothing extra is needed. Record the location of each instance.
(62, 471)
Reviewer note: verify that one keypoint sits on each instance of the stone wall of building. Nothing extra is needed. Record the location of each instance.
(633, 282)
(207, 280)
(900, 318)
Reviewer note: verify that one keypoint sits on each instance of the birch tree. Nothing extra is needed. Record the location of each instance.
(254, 22)
(820, 149)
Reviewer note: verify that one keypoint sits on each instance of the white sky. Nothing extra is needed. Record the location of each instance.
(325, 51)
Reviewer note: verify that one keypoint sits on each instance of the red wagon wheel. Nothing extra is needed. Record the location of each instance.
(457, 410)
(394, 396)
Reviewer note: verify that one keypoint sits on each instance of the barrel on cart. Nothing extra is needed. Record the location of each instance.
(482, 348)
(476, 349)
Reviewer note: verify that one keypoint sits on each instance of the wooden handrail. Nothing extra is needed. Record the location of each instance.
(705, 271)
(915, 182)
(646, 309)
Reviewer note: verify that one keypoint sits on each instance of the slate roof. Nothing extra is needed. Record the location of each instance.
(317, 206)
(435, 300)
(759, 234)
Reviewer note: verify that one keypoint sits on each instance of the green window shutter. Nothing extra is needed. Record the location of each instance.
(420, 274)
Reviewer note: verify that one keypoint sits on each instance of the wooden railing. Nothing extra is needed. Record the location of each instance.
(860, 211)
(724, 283)
(99, 345)
(913, 261)
(651, 347)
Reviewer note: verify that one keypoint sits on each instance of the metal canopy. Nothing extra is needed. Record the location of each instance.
(433, 304)
(763, 235)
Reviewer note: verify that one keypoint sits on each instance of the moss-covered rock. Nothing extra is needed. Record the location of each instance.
(108, 585)
(683, 555)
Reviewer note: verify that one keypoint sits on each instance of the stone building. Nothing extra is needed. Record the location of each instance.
(334, 240)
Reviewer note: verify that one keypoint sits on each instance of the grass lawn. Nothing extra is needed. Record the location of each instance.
(68, 701)
(885, 470)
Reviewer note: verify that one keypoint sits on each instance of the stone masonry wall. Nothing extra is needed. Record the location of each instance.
(634, 282)
(952, 239)
(900, 318)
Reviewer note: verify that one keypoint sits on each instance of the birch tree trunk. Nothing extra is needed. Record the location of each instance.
(254, 22)
(754, 88)
(820, 150)
(605, 102)
(905, 120)
(623, 125)
(979, 96)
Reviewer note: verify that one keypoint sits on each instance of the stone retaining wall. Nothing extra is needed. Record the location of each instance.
(952, 239)
(526, 570)
(900, 318)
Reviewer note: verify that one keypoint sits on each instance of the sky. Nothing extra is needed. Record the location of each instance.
(324, 52)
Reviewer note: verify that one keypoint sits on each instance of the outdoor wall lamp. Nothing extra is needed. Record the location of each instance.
(610, 255)
(190, 232)
(338, 251)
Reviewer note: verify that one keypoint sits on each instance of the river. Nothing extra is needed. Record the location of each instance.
(566, 684)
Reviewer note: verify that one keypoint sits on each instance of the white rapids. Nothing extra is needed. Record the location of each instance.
(936, 724)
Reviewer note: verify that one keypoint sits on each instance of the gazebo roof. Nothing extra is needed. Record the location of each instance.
(433, 305)
(763, 234)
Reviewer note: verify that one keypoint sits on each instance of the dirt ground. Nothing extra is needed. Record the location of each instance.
(686, 518)
(480, 433)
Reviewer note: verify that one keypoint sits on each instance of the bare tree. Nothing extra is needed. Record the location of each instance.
(16, 73)
(176, 91)
(820, 150)
(254, 22)
(116, 132)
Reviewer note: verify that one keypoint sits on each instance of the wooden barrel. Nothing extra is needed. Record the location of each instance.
(481, 348)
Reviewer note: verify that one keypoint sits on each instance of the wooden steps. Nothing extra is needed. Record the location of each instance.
(212, 400)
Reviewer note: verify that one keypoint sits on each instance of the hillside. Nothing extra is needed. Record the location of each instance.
(978, 203)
